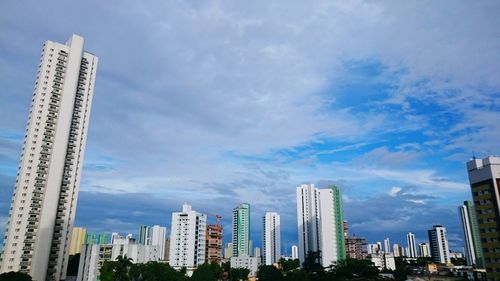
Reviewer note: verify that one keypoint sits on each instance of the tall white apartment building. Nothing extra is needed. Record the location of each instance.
(439, 244)
(387, 246)
(44, 202)
(94, 255)
(295, 252)
(412, 245)
(424, 250)
(187, 239)
(153, 235)
(271, 238)
(398, 250)
(320, 223)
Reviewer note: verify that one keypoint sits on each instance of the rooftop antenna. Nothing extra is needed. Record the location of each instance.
(473, 155)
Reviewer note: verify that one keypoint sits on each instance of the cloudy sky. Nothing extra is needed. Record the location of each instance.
(216, 103)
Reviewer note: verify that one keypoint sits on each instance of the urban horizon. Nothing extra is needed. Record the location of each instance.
(217, 105)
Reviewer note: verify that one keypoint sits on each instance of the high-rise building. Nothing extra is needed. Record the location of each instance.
(271, 238)
(398, 250)
(412, 245)
(228, 250)
(295, 252)
(77, 240)
(257, 254)
(213, 253)
(484, 178)
(153, 235)
(46, 191)
(94, 255)
(424, 250)
(356, 248)
(472, 241)
(387, 246)
(241, 230)
(166, 253)
(187, 239)
(320, 223)
(144, 235)
(439, 244)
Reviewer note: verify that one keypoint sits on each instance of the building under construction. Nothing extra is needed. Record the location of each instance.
(213, 253)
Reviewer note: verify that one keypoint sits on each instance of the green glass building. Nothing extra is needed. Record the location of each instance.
(241, 230)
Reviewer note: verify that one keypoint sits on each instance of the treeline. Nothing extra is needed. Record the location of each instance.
(123, 269)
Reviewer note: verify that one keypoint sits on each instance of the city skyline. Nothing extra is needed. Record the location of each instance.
(238, 105)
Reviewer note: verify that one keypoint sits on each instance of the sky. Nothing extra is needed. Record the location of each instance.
(216, 103)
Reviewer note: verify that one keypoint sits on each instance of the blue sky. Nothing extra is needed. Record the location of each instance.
(222, 102)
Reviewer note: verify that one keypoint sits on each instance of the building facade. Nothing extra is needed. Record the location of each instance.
(241, 230)
(38, 233)
(412, 245)
(472, 241)
(78, 235)
(94, 255)
(387, 246)
(320, 223)
(439, 244)
(271, 241)
(250, 263)
(187, 239)
(398, 250)
(213, 253)
(484, 178)
(295, 252)
(153, 235)
(424, 250)
(356, 248)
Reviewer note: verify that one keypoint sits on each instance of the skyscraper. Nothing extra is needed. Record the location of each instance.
(484, 178)
(320, 223)
(213, 253)
(472, 241)
(295, 252)
(387, 246)
(412, 245)
(398, 250)
(153, 235)
(187, 239)
(271, 238)
(439, 244)
(77, 240)
(241, 230)
(46, 190)
(424, 250)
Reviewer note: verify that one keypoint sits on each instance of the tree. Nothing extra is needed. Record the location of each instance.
(354, 269)
(269, 273)
(297, 275)
(312, 264)
(238, 274)
(122, 265)
(288, 265)
(204, 273)
(15, 276)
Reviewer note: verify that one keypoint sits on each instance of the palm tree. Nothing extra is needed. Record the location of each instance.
(122, 266)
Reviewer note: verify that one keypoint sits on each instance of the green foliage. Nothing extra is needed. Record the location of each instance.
(238, 274)
(459, 261)
(124, 270)
(289, 265)
(15, 276)
(204, 273)
(312, 264)
(297, 275)
(403, 269)
(269, 273)
(353, 269)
